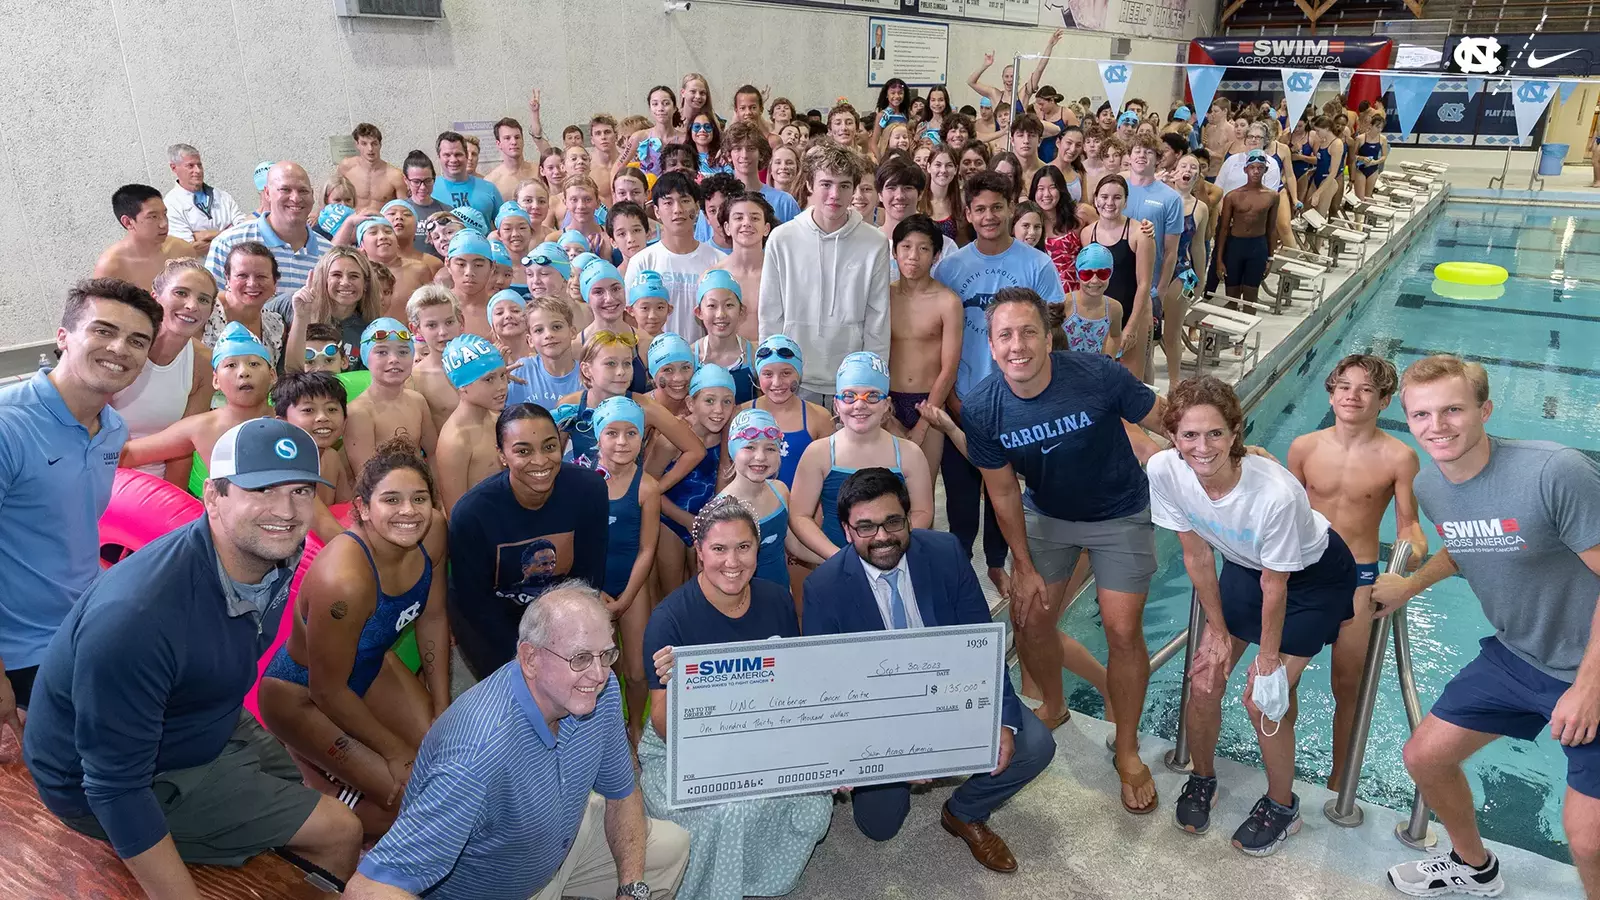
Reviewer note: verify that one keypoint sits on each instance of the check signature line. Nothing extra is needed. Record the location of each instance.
(918, 753)
(739, 731)
(784, 709)
(752, 772)
(913, 672)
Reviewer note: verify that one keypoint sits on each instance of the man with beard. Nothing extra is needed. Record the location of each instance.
(895, 577)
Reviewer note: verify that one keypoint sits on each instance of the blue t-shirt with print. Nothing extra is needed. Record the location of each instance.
(475, 192)
(1162, 207)
(976, 278)
(1068, 443)
(541, 388)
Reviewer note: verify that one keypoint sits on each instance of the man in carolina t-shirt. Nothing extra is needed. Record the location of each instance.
(1056, 419)
(1521, 520)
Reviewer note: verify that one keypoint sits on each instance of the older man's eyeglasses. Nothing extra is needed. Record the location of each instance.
(583, 659)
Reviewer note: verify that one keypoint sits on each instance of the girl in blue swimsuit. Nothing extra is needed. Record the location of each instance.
(358, 596)
(1374, 149)
(720, 308)
(630, 543)
(710, 408)
(753, 441)
(778, 367)
(606, 368)
(862, 402)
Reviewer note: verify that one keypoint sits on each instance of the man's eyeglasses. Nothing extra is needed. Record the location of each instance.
(869, 529)
(752, 433)
(779, 352)
(328, 350)
(873, 397)
(399, 335)
(1094, 274)
(583, 659)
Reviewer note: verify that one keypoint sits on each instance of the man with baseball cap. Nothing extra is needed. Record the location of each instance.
(137, 734)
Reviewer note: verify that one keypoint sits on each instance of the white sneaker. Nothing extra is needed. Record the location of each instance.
(1440, 875)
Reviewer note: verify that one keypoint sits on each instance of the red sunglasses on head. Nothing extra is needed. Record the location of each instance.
(1094, 274)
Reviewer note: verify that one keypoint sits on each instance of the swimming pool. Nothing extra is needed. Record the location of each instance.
(1537, 343)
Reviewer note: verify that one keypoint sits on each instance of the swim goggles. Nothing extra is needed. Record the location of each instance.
(399, 334)
(328, 350)
(780, 352)
(568, 416)
(605, 338)
(873, 397)
(752, 433)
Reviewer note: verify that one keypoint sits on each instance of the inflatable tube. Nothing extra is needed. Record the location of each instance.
(355, 382)
(1453, 291)
(198, 473)
(142, 508)
(285, 622)
(1470, 273)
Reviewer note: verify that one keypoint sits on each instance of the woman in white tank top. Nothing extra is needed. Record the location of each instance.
(175, 380)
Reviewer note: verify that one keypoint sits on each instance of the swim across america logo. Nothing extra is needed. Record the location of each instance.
(733, 670)
(1482, 534)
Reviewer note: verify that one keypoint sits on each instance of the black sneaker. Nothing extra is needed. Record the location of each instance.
(1193, 812)
(1268, 826)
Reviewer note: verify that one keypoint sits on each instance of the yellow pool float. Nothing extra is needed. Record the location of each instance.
(1451, 290)
(1470, 273)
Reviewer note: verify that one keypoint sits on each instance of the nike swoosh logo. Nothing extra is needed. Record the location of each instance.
(1047, 450)
(1534, 62)
(51, 462)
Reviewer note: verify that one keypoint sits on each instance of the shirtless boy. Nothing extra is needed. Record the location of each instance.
(925, 331)
(387, 409)
(747, 219)
(377, 239)
(143, 252)
(513, 168)
(242, 371)
(315, 402)
(1351, 471)
(1245, 236)
(471, 268)
(436, 318)
(467, 452)
(375, 180)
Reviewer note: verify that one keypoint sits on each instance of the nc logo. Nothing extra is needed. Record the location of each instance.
(1477, 56)
(1300, 82)
(1452, 112)
(1533, 91)
(1116, 75)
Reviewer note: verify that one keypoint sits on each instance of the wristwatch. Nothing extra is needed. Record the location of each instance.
(638, 890)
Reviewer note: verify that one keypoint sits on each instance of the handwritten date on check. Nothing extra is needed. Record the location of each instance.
(796, 715)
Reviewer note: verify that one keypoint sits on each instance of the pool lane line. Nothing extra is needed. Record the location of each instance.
(1503, 361)
(1418, 301)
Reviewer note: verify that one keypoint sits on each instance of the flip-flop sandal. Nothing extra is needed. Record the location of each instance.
(1137, 781)
(1056, 722)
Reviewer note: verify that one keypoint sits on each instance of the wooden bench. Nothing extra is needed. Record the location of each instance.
(1221, 327)
(42, 859)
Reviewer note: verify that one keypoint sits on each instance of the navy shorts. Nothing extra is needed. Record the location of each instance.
(1500, 693)
(1246, 260)
(1321, 598)
(905, 408)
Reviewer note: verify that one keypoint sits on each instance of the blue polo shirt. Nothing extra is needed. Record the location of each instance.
(55, 481)
(294, 266)
(495, 800)
(1162, 207)
(478, 193)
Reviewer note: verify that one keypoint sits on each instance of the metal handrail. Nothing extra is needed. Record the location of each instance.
(1177, 759)
(1343, 809)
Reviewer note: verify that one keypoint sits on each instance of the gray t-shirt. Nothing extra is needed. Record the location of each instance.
(1515, 530)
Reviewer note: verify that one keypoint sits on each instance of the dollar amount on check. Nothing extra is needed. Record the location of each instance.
(767, 718)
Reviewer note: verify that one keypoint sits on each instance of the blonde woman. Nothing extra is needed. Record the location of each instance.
(340, 292)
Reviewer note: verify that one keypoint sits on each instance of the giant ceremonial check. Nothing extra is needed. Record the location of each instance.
(790, 716)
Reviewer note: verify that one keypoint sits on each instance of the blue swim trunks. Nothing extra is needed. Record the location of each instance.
(1366, 574)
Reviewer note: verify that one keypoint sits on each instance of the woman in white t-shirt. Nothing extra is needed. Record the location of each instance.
(1287, 583)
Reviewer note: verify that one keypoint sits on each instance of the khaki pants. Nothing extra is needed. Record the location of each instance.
(590, 871)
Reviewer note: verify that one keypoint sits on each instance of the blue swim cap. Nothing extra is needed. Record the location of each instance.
(770, 352)
(616, 409)
(467, 242)
(498, 254)
(647, 284)
(262, 168)
(596, 271)
(718, 280)
(468, 358)
(551, 256)
(572, 236)
(985, 102)
(1255, 157)
(668, 348)
(368, 224)
(1181, 114)
(510, 209)
(393, 203)
(505, 296)
(236, 340)
(711, 375)
(1128, 118)
(1094, 256)
(581, 260)
(473, 219)
(385, 324)
(752, 418)
(332, 216)
(863, 368)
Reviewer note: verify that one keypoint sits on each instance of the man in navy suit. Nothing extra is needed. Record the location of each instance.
(893, 576)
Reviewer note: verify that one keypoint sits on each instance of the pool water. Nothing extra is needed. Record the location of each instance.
(1537, 343)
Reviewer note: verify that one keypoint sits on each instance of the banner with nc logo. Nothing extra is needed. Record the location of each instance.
(1528, 100)
(1114, 78)
(1298, 86)
(1411, 93)
(1203, 81)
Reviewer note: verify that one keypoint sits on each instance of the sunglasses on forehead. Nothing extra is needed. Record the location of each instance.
(615, 337)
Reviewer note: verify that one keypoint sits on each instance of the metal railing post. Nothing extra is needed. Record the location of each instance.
(1343, 810)
(1177, 759)
(1414, 833)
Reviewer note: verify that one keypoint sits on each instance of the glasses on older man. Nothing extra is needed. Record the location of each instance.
(583, 659)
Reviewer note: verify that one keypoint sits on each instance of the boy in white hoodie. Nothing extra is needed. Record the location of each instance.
(825, 282)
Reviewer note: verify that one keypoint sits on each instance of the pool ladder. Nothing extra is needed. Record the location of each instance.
(1343, 809)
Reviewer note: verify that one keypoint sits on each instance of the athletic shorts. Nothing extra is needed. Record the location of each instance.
(1501, 693)
(1246, 260)
(1321, 598)
(22, 684)
(905, 407)
(1122, 552)
(246, 801)
(1366, 574)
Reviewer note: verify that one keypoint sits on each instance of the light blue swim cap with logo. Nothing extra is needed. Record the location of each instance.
(236, 340)
(548, 254)
(647, 284)
(467, 242)
(617, 409)
(718, 280)
(332, 216)
(572, 237)
(498, 254)
(779, 348)
(863, 368)
(758, 419)
(506, 295)
(668, 348)
(262, 169)
(468, 358)
(510, 210)
(472, 219)
(389, 327)
(595, 272)
(1094, 256)
(708, 376)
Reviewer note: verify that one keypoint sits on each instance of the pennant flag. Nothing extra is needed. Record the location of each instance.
(1567, 87)
(1411, 93)
(1344, 82)
(1528, 100)
(1203, 81)
(1114, 78)
(1298, 86)
(1474, 85)
(1385, 81)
